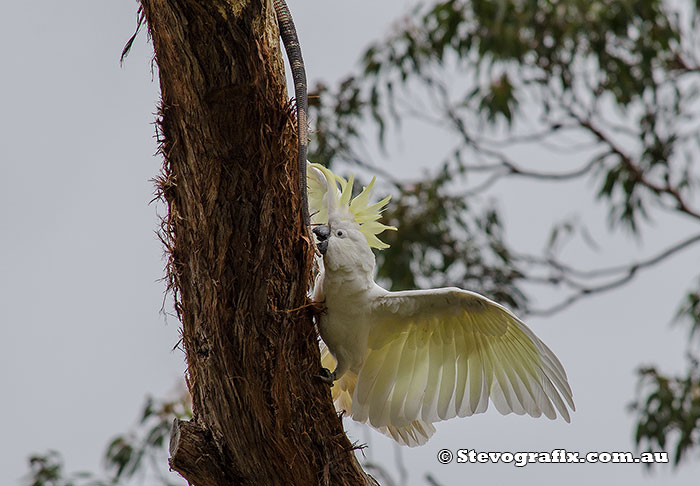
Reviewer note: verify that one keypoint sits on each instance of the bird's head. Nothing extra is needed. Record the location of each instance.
(346, 227)
(344, 247)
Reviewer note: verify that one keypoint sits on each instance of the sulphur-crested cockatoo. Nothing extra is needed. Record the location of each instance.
(404, 360)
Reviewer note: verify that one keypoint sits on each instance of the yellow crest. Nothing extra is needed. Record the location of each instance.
(329, 204)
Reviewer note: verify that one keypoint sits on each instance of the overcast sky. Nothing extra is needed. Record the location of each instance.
(83, 339)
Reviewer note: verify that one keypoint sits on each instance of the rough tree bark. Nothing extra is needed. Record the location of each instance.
(239, 260)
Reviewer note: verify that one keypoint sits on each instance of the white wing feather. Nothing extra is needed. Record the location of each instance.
(412, 434)
(437, 354)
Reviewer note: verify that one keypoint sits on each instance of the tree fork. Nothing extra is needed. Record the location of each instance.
(239, 260)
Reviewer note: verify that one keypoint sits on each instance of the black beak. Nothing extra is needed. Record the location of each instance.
(322, 232)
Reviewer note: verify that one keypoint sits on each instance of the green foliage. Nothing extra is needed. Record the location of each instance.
(496, 99)
(627, 42)
(125, 454)
(668, 411)
(47, 470)
(139, 453)
(689, 312)
(570, 58)
(668, 408)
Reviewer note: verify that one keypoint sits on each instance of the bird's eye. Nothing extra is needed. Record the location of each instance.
(340, 234)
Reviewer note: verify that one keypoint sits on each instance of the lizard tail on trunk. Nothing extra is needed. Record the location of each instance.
(291, 44)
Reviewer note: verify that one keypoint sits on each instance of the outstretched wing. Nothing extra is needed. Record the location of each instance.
(437, 354)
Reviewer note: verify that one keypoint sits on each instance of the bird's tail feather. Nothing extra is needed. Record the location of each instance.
(414, 434)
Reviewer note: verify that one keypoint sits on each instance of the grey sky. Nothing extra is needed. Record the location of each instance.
(83, 339)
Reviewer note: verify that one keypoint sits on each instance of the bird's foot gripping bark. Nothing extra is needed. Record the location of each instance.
(327, 376)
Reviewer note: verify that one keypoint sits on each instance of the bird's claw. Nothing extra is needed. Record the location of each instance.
(327, 376)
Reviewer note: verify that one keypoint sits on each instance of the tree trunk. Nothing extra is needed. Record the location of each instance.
(239, 260)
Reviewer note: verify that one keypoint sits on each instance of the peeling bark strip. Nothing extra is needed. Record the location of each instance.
(238, 257)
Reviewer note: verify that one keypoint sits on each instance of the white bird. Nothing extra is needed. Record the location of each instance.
(405, 360)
